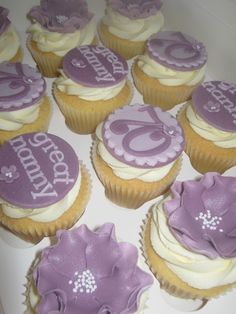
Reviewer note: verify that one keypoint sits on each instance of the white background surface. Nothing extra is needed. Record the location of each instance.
(191, 17)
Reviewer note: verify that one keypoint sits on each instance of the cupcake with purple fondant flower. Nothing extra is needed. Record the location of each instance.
(173, 65)
(9, 39)
(57, 27)
(190, 240)
(88, 272)
(127, 25)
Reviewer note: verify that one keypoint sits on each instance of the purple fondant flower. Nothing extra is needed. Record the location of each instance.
(135, 9)
(89, 272)
(9, 174)
(61, 16)
(4, 20)
(201, 215)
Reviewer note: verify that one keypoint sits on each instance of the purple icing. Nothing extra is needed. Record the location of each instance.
(110, 280)
(177, 51)
(61, 16)
(95, 66)
(143, 136)
(215, 102)
(136, 9)
(4, 20)
(201, 215)
(21, 86)
(37, 170)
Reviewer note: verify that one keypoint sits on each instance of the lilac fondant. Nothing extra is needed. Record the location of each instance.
(201, 215)
(4, 20)
(177, 51)
(215, 102)
(61, 16)
(20, 86)
(90, 272)
(94, 66)
(36, 170)
(135, 9)
(143, 136)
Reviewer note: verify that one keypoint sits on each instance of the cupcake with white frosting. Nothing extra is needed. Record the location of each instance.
(127, 25)
(57, 27)
(169, 70)
(10, 49)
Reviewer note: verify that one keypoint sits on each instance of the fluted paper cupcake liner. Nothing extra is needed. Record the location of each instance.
(204, 155)
(34, 231)
(41, 124)
(168, 280)
(126, 48)
(18, 56)
(157, 94)
(83, 116)
(131, 193)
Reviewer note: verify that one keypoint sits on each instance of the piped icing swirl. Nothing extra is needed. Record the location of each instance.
(36, 170)
(177, 51)
(21, 86)
(200, 214)
(61, 16)
(4, 20)
(136, 9)
(90, 272)
(143, 136)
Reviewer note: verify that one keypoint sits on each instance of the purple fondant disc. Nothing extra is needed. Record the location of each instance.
(37, 170)
(95, 66)
(215, 102)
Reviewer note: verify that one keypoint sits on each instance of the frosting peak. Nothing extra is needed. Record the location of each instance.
(136, 9)
(201, 215)
(62, 16)
(89, 272)
(4, 20)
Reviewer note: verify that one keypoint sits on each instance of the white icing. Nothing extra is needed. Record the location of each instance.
(218, 137)
(14, 120)
(44, 214)
(61, 43)
(9, 44)
(132, 29)
(128, 172)
(195, 269)
(167, 76)
(69, 87)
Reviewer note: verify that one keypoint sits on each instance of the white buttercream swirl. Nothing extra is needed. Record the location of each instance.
(43, 214)
(9, 44)
(167, 76)
(218, 137)
(61, 43)
(132, 29)
(69, 87)
(128, 172)
(14, 120)
(195, 269)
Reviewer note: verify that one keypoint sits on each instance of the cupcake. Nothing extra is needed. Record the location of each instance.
(87, 272)
(209, 123)
(172, 66)
(189, 237)
(10, 49)
(126, 26)
(57, 27)
(24, 105)
(137, 154)
(43, 185)
(92, 84)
